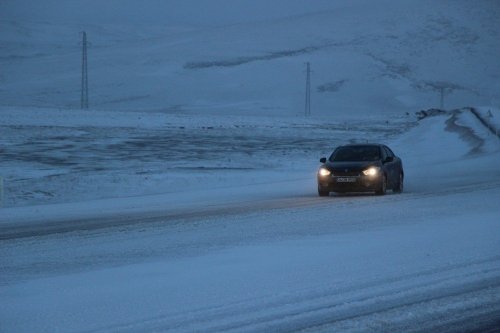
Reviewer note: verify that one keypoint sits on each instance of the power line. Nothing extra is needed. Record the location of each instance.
(84, 101)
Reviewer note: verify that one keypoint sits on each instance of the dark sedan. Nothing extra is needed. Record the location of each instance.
(361, 168)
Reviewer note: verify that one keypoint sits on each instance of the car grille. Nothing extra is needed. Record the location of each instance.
(343, 172)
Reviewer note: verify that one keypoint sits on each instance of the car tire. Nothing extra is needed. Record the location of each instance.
(399, 185)
(322, 192)
(383, 186)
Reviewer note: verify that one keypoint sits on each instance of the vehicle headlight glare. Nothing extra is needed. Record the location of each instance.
(373, 171)
(324, 172)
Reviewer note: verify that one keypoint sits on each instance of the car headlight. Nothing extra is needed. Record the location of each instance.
(324, 172)
(373, 171)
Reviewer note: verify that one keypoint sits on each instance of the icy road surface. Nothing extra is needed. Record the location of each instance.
(272, 257)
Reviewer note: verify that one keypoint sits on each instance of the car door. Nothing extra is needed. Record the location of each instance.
(391, 165)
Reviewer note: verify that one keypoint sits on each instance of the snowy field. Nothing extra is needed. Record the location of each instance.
(54, 156)
(184, 199)
(272, 256)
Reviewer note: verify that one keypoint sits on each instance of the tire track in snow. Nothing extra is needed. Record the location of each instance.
(181, 216)
(199, 223)
(313, 310)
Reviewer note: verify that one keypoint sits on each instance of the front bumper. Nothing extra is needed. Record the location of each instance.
(349, 184)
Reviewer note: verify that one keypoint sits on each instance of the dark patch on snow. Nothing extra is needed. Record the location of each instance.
(466, 133)
(331, 86)
(247, 59)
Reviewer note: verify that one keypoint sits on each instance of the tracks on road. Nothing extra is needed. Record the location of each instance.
(450, 293)
(183, 215)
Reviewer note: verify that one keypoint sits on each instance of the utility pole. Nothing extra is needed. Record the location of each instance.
(442, 98)
(85, 79)
(1, 192)
(308, 91)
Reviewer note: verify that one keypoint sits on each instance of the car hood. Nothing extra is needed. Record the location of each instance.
(351, 166)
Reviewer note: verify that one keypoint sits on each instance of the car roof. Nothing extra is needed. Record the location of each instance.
(363, 145)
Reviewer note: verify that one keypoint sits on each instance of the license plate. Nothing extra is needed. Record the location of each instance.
(346, 179)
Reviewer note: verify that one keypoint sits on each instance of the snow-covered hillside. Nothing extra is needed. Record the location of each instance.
(366, 56)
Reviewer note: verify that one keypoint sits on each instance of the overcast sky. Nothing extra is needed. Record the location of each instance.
(171, 12)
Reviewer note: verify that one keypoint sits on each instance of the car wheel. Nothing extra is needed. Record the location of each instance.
(400, 184)
(383, 186)
(322, 192)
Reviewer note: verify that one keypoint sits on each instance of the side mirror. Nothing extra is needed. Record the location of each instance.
(322, 160)
(388, 159)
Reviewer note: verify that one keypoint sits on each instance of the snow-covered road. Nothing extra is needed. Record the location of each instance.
(271, 257)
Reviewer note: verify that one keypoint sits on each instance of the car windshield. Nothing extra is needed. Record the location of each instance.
(356, 153)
